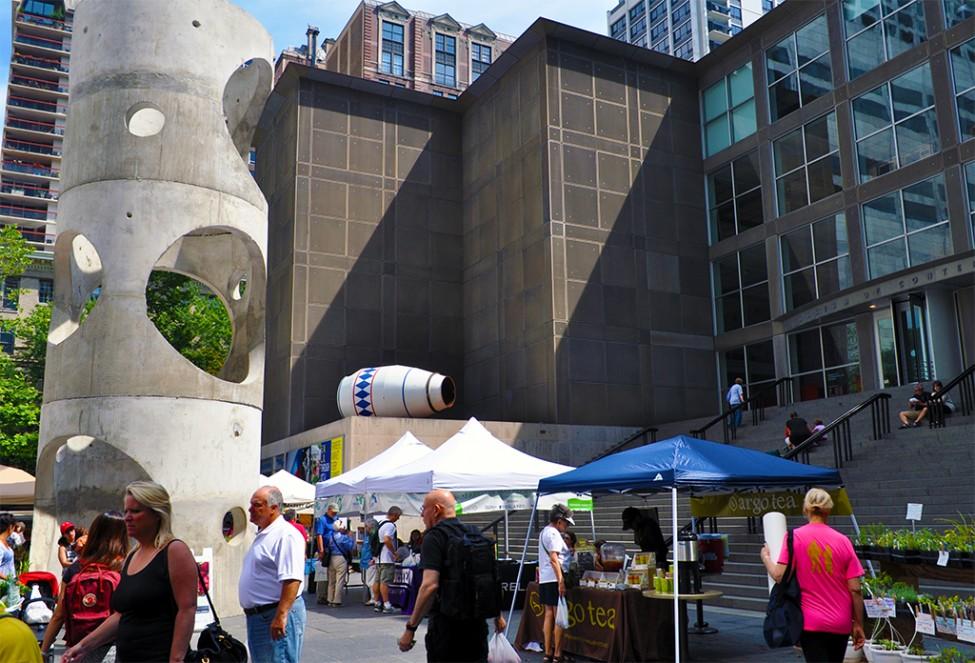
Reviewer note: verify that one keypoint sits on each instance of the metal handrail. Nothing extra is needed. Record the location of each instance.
(729, 430)
(965, 382)
(619, 446)
(879, 405)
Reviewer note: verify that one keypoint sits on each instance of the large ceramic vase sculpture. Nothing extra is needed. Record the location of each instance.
(394, 391)
(165, 96)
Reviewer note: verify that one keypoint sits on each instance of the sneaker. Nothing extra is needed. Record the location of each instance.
(370, 602)
(903, 426)
(378, 608)
(389, 609)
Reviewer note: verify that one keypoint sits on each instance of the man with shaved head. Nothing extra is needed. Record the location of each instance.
(449, 638)
(271, 581)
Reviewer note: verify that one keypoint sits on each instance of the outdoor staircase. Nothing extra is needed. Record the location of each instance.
(935, 467)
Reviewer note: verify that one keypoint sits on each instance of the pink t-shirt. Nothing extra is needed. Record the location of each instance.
(825, 561)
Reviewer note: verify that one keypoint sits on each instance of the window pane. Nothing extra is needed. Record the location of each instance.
(791, 191)
(829, 237)
(887, 258)
(755, 304)
(717, 136)
(753, 266)
(833, 276)
(729, 312)
(788, 152)
(820, 137)
(966, 114)
(734, 365)
(720, 189)
(796, 250)
(871, 111)
(726, 274)
(749, 210)
(840, 381)
(875, 155)
(715, 101)
(865, 51)
(746, 172)
(741, 85)
(784, 97)
(743, 121)
(800, 288)
(904, 30)
(804, 351)
(957, 11)
(858, 14)
(780, 59)
(761, 362)
(723, 219)
(812, 40)
(930, 244)
(925, 204)
(917, 137)
(825, 178)
(912, 92)
(840, 344)
(811, 386)
(815, 79)
(882, 218)
(963, 65)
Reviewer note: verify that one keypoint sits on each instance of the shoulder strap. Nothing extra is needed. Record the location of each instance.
(790, 568)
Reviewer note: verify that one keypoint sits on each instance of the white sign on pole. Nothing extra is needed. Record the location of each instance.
(943, 558)
(924, 623)
(914, 511)
(966, 630)
(880, 608)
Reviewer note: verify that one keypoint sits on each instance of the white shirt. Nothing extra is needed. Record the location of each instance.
(735, 394)
(385, 554)
(549, 540)
(278, 554)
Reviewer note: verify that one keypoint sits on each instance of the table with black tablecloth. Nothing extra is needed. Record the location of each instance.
(606, 625)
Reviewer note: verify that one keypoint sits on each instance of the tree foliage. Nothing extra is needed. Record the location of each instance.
(20, 416)
(15, 252)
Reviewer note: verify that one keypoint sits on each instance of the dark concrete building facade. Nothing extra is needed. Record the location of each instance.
(557, 240)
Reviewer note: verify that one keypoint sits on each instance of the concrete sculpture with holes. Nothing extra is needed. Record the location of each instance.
(165, 96)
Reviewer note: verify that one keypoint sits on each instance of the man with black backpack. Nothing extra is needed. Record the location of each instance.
(460, 587)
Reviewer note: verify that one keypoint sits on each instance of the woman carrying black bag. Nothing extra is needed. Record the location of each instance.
(829, 574)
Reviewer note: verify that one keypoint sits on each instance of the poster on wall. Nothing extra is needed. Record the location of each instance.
(318, 462)
(204, 615)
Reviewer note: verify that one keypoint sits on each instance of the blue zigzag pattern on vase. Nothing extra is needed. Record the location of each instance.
(363, 392)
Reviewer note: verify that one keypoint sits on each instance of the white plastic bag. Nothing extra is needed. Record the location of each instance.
(501, 651)
(562, 614)
(37, 612)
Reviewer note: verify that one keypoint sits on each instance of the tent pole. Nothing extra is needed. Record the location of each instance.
(592, 521)
(507, 548)
(673, 520)
(856, 530)
(521, 566)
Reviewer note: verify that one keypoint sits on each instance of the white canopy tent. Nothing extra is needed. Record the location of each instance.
(296, 492)
(406, 450)
(16, 487)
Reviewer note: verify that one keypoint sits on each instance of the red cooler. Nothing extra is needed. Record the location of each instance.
(711, 552)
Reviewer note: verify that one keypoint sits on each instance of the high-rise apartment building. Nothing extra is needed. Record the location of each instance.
(33, 133)
(413, 49)
(687, 29)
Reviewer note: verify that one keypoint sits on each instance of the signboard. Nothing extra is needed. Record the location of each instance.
(880, 608)
(925, 623)
(914, 511)
(756, 503)
(204, 615)
(319, 462)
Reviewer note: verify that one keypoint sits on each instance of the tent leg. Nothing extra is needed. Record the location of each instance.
(856, 529)
(521, 565)
(592, 521)
(673, 516)
(507, 548)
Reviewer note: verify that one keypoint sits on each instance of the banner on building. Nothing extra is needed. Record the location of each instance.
(319, 462)
(757, 503)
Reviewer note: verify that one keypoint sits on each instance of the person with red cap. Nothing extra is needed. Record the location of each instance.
(66, 551)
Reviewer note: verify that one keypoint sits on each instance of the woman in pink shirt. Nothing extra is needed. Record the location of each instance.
(829, 576)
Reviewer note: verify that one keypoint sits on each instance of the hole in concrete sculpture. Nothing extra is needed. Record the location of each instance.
(196, 24)
(144, 120)
(234, 524)
(239, 289)
(77, 284)
(243, 101)
(192, 318)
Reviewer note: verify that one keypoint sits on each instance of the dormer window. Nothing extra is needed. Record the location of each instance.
(392, 49)
(445, 67)
(480, 59)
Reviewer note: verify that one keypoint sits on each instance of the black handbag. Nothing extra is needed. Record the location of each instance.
(215, 645)
(783, 616)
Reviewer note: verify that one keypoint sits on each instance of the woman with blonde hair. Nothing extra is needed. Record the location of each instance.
(155, 602)
(829, 574)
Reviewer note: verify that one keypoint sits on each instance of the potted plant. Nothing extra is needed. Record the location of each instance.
(887, 651)
(948, 655)
(916, 653)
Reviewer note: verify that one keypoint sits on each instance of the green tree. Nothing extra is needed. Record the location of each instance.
(31, 333)
(14, 252)
(20, 416)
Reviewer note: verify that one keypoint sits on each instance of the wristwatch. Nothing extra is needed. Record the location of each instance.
(412, 629)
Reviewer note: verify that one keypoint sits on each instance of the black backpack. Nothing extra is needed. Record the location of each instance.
(469, 586)
(375, 545)
(783, 616)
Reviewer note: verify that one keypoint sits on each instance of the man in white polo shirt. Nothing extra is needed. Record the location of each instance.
(271, 582)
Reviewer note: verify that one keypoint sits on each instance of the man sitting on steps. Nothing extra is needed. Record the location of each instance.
(917, 408)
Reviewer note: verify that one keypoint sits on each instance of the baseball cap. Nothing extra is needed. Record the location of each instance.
(563, 512)
(66, 526)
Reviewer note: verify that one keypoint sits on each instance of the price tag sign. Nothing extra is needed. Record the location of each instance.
(880, 608)
(914, 511)
(924, 623)
(943, 558)
(966, 630)
(945, 625)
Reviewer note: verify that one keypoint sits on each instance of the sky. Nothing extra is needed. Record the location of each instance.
(287, 20)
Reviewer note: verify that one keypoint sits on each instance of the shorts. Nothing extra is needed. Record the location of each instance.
(386, 573)
(912, 415)
(548, 593)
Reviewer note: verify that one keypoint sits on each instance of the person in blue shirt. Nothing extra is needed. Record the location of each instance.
(367, 563)
(324, 526)
(340, 547)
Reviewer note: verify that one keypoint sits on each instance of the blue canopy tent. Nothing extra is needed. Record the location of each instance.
(682, 463)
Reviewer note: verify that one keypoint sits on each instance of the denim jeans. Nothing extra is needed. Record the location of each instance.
(736, 417)
(286, 650)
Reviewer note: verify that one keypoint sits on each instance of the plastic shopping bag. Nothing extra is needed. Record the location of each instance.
(501, 651)
(562, 614)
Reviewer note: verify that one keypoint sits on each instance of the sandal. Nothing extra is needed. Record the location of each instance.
(548, 659)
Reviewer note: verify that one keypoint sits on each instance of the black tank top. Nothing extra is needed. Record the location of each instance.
(148, 612)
